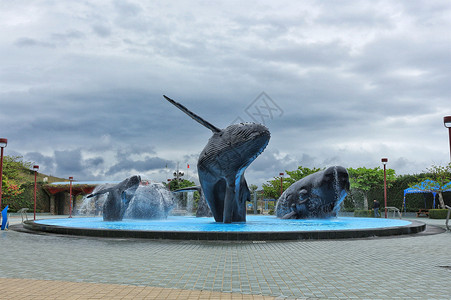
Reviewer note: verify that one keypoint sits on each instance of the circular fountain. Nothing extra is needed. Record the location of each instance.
(256, 228)
(146, 216)
(306, 210)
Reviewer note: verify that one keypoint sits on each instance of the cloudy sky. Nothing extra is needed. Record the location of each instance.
(336, 82)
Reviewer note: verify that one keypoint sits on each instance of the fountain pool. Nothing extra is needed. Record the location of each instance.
(256, 228)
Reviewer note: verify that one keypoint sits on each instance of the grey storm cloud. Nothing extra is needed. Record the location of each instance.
(151, 163)
(81, 84)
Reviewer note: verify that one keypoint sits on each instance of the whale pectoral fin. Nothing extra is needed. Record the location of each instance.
(196, 188)
(193, 115)
(101, 192)
(302, 196)
(290, 215)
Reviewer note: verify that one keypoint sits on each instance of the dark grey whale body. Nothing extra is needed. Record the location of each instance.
(315, 196)
(222, 163)
(119, 197)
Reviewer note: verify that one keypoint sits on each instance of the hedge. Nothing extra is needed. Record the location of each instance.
(438, 213)
(363, 213)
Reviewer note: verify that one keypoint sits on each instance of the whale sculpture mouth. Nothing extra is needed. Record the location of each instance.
(318, 195)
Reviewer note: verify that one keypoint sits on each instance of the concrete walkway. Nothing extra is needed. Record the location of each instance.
(63, 267)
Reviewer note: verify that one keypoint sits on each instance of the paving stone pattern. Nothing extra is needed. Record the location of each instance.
(375, 268)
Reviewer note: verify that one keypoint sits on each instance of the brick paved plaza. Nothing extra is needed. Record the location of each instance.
(63, 267)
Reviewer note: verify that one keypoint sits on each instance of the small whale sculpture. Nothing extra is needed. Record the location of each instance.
(317, 195)
(222, 163)
(119, 197)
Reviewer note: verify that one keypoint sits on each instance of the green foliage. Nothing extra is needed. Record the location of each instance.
(300, 173)
(365, 179)
(179, 184)
(438, 179)
(272, 190)
(438, 213)
(14, 169)
(363, 213)
(252, 188)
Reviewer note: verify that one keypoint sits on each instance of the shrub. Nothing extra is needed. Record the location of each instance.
(363, 213)
(438, 213)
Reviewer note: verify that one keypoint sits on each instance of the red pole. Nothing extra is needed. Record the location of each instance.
(70, 197)
(449, 131)
(385, 191)
(35, 168)
(281, 183)
(169, 184)
(384, 161)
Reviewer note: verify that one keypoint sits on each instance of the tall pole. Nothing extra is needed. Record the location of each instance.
(384, 161)
(35, 168)
(447, 123)
(449, 132)
(281, 183)
(3, 143)
(70, 196)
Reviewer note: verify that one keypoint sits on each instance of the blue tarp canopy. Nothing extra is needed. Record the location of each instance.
(423, 186)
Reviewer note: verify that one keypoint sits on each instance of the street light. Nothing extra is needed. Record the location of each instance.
(3, 143)
(281, 183)
(384, 162)
(70, 196)
(447, 123)
(35, 169)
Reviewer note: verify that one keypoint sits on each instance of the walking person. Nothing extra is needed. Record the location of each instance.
(376, 206)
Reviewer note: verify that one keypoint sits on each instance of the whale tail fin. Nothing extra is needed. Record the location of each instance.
(193, 115)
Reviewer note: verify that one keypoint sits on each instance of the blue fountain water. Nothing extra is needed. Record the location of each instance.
(253, 224)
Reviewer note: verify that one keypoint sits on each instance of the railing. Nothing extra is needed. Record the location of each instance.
(447, 217)
(23, 213)
(395, 210)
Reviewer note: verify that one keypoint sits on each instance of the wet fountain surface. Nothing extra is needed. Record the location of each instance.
(256, 228)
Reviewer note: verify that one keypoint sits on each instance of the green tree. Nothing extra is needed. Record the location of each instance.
(14, 168)
(271, 189)
(252, 188)
(179, 184)
(438, 181)
(365, 179)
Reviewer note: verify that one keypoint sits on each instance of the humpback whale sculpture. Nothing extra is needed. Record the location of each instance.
(315, 196)
(119, 197)
(203, 210)
(222, 163)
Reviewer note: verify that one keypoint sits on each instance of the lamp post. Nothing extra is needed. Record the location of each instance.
(3, 143)
(447, 123)
(384, 162)
(70, 196)
(281, 183)
(35, 169)
(169, 184)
